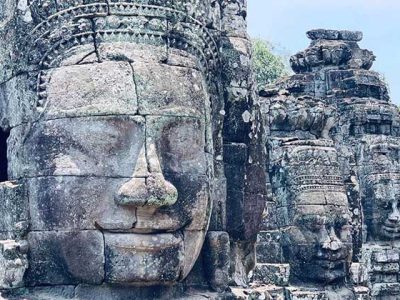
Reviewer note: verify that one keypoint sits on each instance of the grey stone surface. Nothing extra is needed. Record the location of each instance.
(324, 34)
(65, 258)
(216, 259)
(275, 274)
(86, 90)
(13, 263)
(14, 208)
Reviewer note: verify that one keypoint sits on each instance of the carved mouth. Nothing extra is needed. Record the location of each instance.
(391, 230)
(329, 264)
(143, 258)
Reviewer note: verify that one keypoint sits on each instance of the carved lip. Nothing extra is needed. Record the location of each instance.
(118, 228)
(145, 242)
(391, 230)
(390, 225)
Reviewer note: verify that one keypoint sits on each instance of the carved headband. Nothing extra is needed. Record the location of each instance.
(186, 25)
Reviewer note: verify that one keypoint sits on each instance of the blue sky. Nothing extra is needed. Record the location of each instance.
(285, 22)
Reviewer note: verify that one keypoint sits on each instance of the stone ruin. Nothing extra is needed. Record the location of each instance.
(135, 167)
(331, 226)
(138, 162)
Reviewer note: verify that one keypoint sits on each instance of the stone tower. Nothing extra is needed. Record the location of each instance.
(333, 96)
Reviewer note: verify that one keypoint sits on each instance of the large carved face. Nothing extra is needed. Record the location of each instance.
(319, 243)
(118, 169)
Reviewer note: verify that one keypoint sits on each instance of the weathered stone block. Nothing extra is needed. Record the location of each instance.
(130, 52)
(238, 116)
(106, 88)
(241, 207)
(118, 292)
(237, 64)
(386, 268)
(14, 207)
(191, 210)
(18, 100)
(362, 293)
(298, 293)
(234, 18)
(275, 274)
(356, 83)
(61, 292)
(13, 263)
(65, 257)
(167, 90)
(345, 35)
(386, 256)
(385, 290)
(218, 214)
(269, 248)
(216, 259)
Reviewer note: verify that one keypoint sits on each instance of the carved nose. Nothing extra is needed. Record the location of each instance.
(331, 241)
(395, 215)
(148, 186)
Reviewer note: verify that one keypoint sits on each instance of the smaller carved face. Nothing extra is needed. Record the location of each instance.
(319, 242)
(380, 183)
(382, 211)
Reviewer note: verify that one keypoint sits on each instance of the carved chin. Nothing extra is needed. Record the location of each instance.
(330, 272)
(390, 233)
(150, 259)
(322, 271)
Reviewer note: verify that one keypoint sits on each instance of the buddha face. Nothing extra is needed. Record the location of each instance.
(380, 185)
(313, 212)
(319, 244)
(382, 212)
(121, 169)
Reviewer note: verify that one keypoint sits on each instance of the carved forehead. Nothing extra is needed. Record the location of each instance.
(135, 86)
(301, 212)
(328, 195)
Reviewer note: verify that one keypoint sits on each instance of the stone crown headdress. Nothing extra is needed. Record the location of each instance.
(189, 25)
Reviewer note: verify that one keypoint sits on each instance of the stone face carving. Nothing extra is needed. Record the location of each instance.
(313, 211)
(380, 170)
(116, 113)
